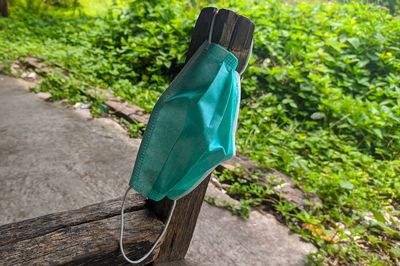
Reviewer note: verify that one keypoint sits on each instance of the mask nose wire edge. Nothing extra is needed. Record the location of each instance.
(154, 245)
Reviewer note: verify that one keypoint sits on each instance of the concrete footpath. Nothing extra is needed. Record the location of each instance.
(54, 158)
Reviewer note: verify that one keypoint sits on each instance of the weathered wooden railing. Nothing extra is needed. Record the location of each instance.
(90, 235)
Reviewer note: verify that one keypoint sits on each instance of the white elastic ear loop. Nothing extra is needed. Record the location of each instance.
(154, 245)
(248, 58)
(212, 27)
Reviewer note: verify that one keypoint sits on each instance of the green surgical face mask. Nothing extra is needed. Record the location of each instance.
(191, 129)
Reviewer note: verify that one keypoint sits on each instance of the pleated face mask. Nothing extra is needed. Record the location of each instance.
(191, 129)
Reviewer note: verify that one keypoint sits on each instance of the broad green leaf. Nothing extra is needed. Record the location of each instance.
(317, 116)
(346, 185)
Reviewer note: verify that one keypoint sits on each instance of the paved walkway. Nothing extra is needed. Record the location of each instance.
(53, 158)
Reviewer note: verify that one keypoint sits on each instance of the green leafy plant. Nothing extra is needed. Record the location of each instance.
(136, 130)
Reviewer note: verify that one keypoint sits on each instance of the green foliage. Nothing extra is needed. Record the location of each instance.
(63, 88)
(34, 6)
(243, 210)
(320, 102)
(392, 5)
(248, 188)
(136, 130)
(147, 43)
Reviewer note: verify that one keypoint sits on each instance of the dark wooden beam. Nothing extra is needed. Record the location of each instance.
(4, 8)
(201, 30)
(87, 236)
(231, 30)
(235, 33)
(39, 226)
(183, 222)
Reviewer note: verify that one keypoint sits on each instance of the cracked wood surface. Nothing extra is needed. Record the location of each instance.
(85, 236)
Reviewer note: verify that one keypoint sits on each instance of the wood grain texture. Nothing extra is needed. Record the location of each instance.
(42, 225)
(183, 222)
(88, 236)
(235, 33)
(201, 30)
(231, 30)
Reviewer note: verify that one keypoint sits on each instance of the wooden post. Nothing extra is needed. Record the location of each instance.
(4, 8)
(87, 236)
(235, 33)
